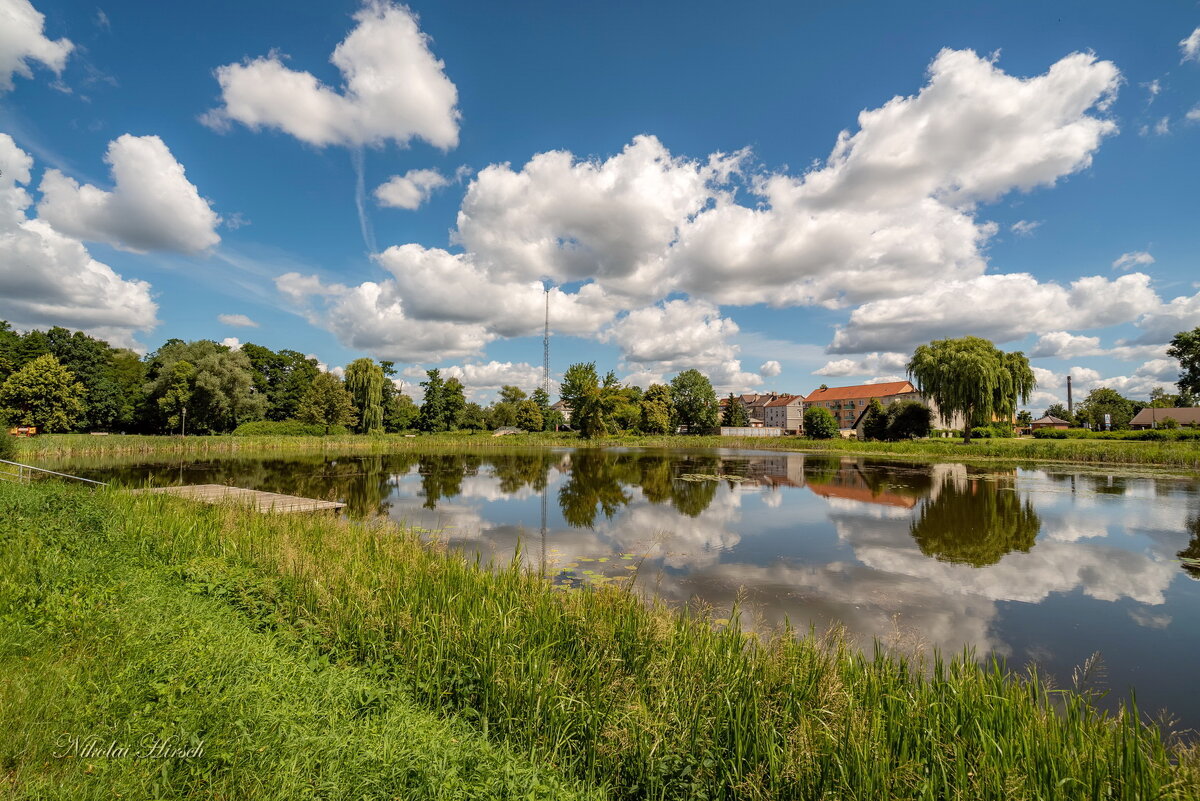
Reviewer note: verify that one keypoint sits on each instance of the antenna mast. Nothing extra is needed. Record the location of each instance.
(546, 347)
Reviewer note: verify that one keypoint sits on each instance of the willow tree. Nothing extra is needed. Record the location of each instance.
(975, 522)
(972, 377)
(364, 380)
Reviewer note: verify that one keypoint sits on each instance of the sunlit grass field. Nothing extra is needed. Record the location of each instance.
(322, 658)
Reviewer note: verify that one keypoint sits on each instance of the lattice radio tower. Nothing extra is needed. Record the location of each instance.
(546, 347)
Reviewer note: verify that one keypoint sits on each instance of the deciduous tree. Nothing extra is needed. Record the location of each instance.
(1101, 401)
(1060, 411)
(819, 423)
(177, 394)
(876, 421)
(655, 409)
(222, 391)
(529, 416)
(1185, 346)
(327, 403)
(43, 393)
(591, 401)
(971, 377)
(909, 420)
(695, 402)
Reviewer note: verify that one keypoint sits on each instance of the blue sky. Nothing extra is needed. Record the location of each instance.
(780, 196)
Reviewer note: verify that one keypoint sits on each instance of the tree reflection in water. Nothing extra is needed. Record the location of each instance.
(442, 475)
(1192, 551)
(975, 521)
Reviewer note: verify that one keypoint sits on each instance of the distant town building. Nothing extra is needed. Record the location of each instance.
(849, 404)
(786, 412)
(1154, 418)
(562, 408)
(1049, 421)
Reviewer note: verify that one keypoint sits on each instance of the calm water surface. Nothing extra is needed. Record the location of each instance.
(1043, 566)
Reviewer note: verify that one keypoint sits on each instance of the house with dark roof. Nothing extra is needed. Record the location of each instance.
(755, 405)
(1049, 421)
(1154, 418)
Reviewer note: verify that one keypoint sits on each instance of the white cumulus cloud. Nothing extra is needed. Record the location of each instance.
(394, 89)
(893, 206)
(410, 190)
(568, 220)
(1134, 258)
(889, 222)
(1002, 308)
(47, 278)
(152, 205)
(870, 364)
(680, 335)
(23, 40)
(238, 320)
(770, 369)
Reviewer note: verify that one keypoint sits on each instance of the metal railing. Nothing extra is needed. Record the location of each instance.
(24, 473)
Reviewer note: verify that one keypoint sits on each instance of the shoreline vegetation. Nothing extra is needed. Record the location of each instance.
(1177, 455)
(318, 657)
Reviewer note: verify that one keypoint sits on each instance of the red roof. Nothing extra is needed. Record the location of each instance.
(784, 400)
(861, 391)
(863, 495)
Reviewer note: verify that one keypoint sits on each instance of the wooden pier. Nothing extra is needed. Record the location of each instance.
(261, 501)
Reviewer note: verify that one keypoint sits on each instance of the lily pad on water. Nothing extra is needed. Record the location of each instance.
(710, 477)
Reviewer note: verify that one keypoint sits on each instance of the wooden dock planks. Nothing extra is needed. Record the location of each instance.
(262, 501)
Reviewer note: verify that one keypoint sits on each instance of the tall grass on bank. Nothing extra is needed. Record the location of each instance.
(647, 702)
(1179, 455)
(1182, 454)
(102, 644)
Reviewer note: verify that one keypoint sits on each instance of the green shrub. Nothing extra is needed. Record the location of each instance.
(982, 432)
(1164, 434)
(8, 443)
(877, 422)
(284, 428)
(909, 420)
(819, 423)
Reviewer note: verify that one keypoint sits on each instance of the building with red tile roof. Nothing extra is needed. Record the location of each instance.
(849, 404)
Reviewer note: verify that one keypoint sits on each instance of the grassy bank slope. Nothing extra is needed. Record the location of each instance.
(1177, 455)
(609, 690)
(100, 640)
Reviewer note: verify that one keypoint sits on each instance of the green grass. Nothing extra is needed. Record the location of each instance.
(1177, 455)
(98, 640)
(608, 690)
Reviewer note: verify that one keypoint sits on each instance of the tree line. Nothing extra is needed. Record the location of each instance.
(61, 380)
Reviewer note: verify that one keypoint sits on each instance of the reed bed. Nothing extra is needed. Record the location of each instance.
(638, 700)
(1179, 455)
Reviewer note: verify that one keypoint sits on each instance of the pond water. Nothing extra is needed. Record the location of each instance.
(1045, 566)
